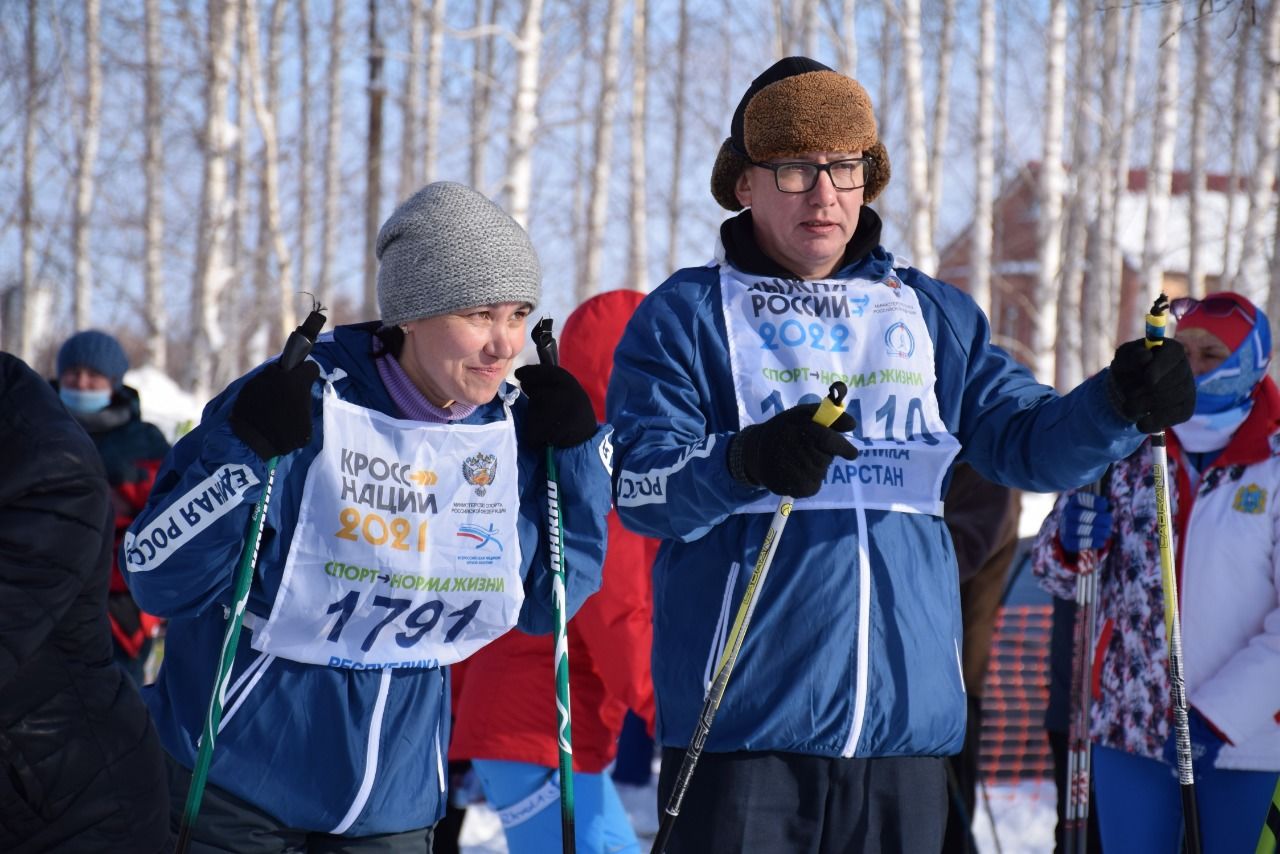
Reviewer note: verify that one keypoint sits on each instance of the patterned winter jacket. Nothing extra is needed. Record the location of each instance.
(1227, 547)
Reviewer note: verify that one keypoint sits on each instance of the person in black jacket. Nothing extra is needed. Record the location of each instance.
(91, 368)
(80, 762)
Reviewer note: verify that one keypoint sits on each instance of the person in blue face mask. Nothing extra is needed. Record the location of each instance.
(1224, 465)
(91, 367)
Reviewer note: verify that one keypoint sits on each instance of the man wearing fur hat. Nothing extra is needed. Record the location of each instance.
(848, 690)
(407, 529)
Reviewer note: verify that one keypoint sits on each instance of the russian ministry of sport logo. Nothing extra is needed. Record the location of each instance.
(482, 537)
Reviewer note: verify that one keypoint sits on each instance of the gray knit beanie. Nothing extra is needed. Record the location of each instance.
(448, 247)
(96, 350)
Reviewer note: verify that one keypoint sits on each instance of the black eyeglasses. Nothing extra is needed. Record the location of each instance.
(1213, 307)
(801, 177)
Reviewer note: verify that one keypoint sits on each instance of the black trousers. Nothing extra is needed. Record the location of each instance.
(791, 803)
(228, 824)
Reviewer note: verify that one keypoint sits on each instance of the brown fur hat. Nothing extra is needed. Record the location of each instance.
(796, 106)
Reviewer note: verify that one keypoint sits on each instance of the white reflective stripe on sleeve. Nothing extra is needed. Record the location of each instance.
(370, 755)
(636, 489)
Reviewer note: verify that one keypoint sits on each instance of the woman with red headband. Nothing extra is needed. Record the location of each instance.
(1225, 466)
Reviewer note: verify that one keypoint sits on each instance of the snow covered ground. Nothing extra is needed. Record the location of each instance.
(1023, 820)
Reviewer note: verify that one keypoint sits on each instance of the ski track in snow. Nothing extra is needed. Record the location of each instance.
(1024, 819)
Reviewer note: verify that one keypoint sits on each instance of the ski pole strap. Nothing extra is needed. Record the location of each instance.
(832, 405)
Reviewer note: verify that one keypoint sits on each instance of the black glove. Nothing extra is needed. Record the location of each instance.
(790, 453)
(560, 412)
(272, 412)
(1153, 387)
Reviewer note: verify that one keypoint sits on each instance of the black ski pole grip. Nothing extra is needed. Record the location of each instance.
(545, 342)
(301, 340)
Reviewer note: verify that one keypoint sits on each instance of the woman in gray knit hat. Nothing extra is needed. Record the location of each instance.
(407, 532)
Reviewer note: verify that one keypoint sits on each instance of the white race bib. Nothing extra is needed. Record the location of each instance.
(789, 340)
(406, 552)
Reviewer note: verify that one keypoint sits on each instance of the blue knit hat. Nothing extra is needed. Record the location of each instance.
(96, 350)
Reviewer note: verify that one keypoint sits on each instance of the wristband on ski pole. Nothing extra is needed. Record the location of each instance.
(828, 411)
(549, 354)
(296, 348)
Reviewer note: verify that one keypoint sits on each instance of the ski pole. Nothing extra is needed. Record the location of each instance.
(828, 411)
(1172, 623)
(549, 354)
(295, 350)
(1079, 771)
(1269, 839)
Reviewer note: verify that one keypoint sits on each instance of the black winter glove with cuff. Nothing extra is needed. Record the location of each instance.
(1153, 387)
(560, 413)
(790, 453)
(272, 412)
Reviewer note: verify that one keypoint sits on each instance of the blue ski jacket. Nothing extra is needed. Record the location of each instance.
(811, 677)
(355, 752)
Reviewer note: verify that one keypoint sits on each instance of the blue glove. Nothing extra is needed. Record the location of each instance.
(1205, 743)
(1086, 522)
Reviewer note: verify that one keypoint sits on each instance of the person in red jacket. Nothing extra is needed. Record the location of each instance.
(505, 720)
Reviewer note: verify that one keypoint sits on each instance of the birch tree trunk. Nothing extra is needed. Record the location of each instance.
(984, 151)
(86, 160)
(638, 250)
(435, 83)
(602, 166)
(481, 92)
(677, 138)
(524, 113)
(1195, 196)
(1251, 274)
(1101, 287)
(1049, 239)
(848, 37)
(332, 155)
(265, 110)
(154, 313)
(208, 362)
(373, 166)
(921, 228)
(1239, 100)
(1069, 357)
(410, 178)
(1123, 296)
(25, 347)
(941, 112)
(1164, 133)
(304, 148)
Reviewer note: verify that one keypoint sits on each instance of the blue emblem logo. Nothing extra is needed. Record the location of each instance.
(1250, 499)
(899, 341)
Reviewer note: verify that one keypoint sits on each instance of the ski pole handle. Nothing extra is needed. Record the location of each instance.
(1156, 321)
(545, 342)
(300, 341)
